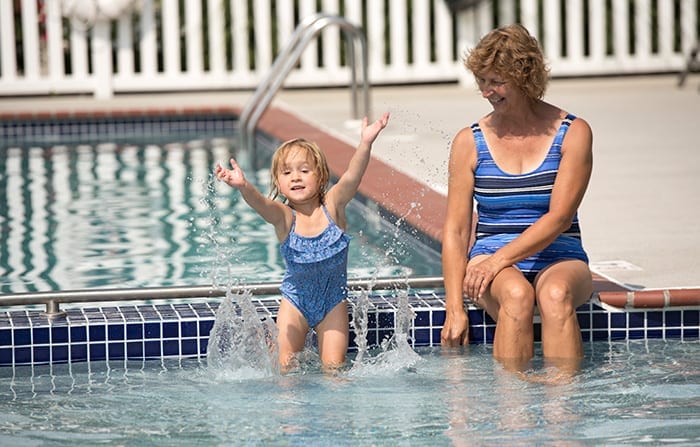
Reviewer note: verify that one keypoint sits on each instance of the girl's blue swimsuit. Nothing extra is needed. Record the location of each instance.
(316, 277)
(507, 204)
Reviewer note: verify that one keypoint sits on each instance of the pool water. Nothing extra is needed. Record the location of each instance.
(75, 216)
(627, 393)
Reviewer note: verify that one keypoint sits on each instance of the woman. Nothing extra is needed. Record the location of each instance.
(527, 165)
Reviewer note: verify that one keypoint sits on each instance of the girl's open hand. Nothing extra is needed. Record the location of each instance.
(233, 177)
(370, 131)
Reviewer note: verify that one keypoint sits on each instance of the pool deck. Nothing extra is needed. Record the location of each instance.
(640, 217)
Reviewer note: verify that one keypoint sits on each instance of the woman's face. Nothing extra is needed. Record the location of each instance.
(494, 88)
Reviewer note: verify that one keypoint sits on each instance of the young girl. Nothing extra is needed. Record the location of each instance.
(311, 229)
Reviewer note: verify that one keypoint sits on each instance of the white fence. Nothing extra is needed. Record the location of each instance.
(170, 45)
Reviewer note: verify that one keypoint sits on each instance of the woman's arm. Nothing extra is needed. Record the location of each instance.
(455, 238)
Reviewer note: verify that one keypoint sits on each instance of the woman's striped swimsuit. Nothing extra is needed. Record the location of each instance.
(507, 204)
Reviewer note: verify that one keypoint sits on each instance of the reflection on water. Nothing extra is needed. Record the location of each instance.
(637, 393)
(138, 215)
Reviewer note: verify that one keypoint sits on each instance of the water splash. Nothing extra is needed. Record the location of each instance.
(216, 239)
(242, 345)
(359, 324)
(395, 353)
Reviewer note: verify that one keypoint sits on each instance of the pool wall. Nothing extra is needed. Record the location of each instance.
(156, 331)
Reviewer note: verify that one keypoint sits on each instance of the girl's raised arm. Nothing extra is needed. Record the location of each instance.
(348, 183)
(272, 211)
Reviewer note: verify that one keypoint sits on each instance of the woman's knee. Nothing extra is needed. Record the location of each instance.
(555, 299)
(517, 300)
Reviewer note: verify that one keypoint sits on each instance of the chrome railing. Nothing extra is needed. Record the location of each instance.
(307, 30)
(53, 299)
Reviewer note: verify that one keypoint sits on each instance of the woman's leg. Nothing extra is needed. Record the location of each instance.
(560, 289)
(291, 332)
(333, 334)
(510, 301)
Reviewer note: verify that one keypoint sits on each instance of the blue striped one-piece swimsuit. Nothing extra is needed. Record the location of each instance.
(507, 204)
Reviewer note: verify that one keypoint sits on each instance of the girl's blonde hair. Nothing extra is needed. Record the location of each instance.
(312, 152)
(512, 52)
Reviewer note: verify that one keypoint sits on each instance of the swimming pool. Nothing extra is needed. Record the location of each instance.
(147, 214)
(137, 374)
(180, 330)
(627, 393)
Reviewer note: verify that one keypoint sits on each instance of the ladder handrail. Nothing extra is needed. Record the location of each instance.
(52, 299)
(307, 30)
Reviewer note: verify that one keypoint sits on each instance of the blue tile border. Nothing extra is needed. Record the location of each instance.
(158, 331)
(105, 127)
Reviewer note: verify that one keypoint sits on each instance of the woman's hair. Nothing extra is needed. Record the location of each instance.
(512, 52)
(312, 152)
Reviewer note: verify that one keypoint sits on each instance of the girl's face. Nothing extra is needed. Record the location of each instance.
(297, 178)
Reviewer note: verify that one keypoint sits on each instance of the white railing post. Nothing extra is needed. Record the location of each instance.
(689, 25)
(54, 41)
(194, 62)
(30, 40)
(102, 60)
(125, 44)
(171, 36)
(443, 37)
(472, 24)
(148, 42)
(239, 26)
(466, 38)
(528, 12)
(217, 59)
(8, 69)
(596, 36)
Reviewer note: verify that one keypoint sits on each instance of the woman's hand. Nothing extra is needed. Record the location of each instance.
(478, 277)
(455, 330)
(233, 177)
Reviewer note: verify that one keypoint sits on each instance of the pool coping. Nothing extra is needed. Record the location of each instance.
(404, 197)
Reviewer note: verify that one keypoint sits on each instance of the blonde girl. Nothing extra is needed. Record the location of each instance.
(310, 226)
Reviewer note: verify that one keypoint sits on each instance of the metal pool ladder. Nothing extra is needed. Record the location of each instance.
(307, 30)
